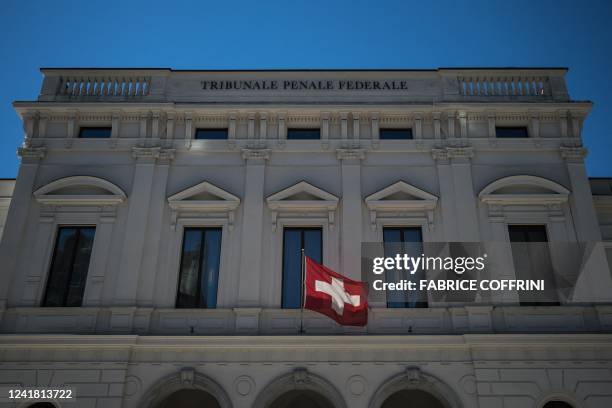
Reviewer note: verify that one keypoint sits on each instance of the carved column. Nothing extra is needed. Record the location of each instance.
(263, 125)
(325, 117)
(375, 129)
(252, 227)
(350, 234)
(356, 126)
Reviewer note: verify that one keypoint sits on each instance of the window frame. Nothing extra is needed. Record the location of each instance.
(199, 280)
(546, 228)
(302, 229)
(420, 304)
(86, 128)
(395, 130)
(53, 259)
(224, 129)
(298, 129)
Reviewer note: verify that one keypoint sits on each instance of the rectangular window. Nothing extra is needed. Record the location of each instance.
(303, 134)
(211, 134)
(68, 273)
(395, 134)
(294, 240)
(199, 274)
(94, 132)
(511, 132)
(531, 257)
(404, 240)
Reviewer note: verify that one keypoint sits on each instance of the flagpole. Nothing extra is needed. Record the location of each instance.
(303, 298)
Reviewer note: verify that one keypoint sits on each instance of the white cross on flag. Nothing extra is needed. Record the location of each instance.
(336, 296)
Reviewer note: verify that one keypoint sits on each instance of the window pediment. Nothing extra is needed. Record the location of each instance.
(302, 198)
(400, 197)
(524, 190)
(204, 198)
(80, 191)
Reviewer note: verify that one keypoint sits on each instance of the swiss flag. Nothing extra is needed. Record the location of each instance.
(336, 296)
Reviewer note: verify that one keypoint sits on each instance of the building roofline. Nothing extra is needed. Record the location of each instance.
(304, 69)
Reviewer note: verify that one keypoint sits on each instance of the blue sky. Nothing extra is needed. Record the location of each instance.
(308, 34)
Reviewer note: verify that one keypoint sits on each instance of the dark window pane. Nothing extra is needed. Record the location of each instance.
(511, 132)
(68, 274)
(95, 132)
(42, 405)
(211, 134)
(294, 240)
(303, 134)
(395, 134)
(199, 273)
(531, 258)
(210, 268)
(407, 240)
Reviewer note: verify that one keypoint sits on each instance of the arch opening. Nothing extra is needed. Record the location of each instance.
(301, 399)
(557, 404)
(42, 405)
(189, 398)
(410, 398)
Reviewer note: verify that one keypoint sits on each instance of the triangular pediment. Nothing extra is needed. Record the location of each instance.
(400, 192)
(204, 196)
(302, 192)
(80, 190)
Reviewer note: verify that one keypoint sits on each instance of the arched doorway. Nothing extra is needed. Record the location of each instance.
(189, 398)
(412, 398)
(301, 399)
(557, 404)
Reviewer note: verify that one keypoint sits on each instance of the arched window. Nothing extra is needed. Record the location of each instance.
(557, 404)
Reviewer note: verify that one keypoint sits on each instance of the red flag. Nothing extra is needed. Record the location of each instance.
(336, 296)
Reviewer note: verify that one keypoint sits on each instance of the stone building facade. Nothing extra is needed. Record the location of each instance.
(129, 161)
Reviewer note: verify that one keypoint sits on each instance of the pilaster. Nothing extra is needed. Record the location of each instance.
(252, 227)
(17, 217)
(136, 225)
(351, 233)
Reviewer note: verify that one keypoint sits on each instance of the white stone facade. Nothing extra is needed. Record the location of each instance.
(128, 346)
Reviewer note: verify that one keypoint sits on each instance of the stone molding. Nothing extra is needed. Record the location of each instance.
(413, 378)
(186, 379)
(299, 379)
